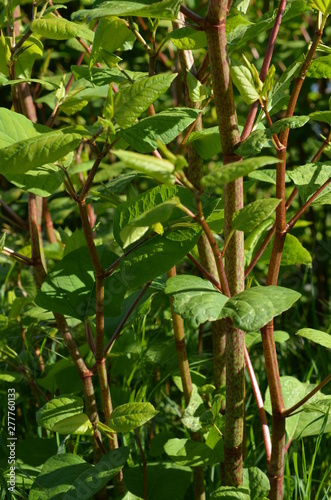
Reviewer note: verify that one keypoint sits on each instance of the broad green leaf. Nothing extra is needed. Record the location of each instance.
(195, 299)
(308, 178)
(253, 338)
(164, 126)
(293, 253)
(257, 482)
(28, 154)
(254, 143)
(111, 33)
(321, 116)
(317, 336)
(132, 101)
(153, 218)
(243, 80)
(197, 91)
(58, 28)
(157, 168)
(293, 390)
(58, 409)
(304, 423)
(165, 9)
(165, 480)
(206, 142)
(320, 68)
(69, 477)
(231, 493)
(77, 424)
(15, 127)
(130, 416)
(292, 122)
(232, 171)
(42, 181)
(190, 453)
(70, 286)
(253, 214)
(255, 307)
(188, 39)
(323, 6)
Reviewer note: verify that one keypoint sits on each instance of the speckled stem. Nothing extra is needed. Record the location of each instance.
(234, 255)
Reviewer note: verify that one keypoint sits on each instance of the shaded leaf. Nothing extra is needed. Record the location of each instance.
(230, 493)
(206, 142)
(293, 253)
(321, 116)
(197, 91)
(77, 424)
(132, 101)
(254, 143)
(257, 482)
(320, 68)
(130, 416)
(111, 33)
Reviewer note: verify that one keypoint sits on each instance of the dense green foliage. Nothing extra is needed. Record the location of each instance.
(109, 147)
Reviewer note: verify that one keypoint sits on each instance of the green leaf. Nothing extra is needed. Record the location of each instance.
(165, 480)
(308, 178)
(293, 253)
(188, 39)
(281, 86)
(58, 409)
(28, 154)
(130, 416)
(320, 68)
(166, 9)
(321, 116)
(304, 423)
(232, 171)
(31, 50)
(253, 214)
(291, 122)
(77, 424)
(323, 6)
(70, 286)
(11, 377)
(257, 482)
(190, 453)
(253, 338)
(164, 126)
(230, 493)
(57, 28)
(104, 76)
(244, 81)
(157, 168)
(195, 299)
(69, 477)
(131, 102)
(197, 91)
(111, 33)
(317, 336)
(255, 307)
(254, 143)
(206, 142)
